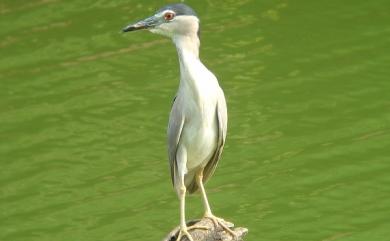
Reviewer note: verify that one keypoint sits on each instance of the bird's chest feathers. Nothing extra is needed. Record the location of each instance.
(199, 90)
(198, 93)
(200, 133)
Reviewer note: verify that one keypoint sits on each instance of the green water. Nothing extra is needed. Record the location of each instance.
(84, 110)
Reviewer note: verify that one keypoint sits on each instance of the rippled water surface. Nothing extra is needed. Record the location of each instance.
(84, 109)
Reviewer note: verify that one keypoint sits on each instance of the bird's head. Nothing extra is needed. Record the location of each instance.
(171, 20)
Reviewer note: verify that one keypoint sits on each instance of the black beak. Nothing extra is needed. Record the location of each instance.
(143, 24)
(133, 27)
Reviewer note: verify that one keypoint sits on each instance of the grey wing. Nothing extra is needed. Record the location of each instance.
(221, 114)
(175, 127)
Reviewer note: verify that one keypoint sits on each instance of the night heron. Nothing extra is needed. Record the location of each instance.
(198, 119)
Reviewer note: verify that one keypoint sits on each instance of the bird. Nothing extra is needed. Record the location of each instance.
(198, 119)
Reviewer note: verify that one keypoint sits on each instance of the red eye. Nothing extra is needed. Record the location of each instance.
(169, 16)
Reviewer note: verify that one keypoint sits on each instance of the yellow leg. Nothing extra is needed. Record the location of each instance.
(208, 214)
(183, 226)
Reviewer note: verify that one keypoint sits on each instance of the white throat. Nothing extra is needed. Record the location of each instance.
(188, 52)
(187, 45)
(196, 81)
(190, 65)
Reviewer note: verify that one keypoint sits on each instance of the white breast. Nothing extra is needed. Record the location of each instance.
(200, 90)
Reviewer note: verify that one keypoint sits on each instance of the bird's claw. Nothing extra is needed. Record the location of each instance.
(184, 232)
(220, 222)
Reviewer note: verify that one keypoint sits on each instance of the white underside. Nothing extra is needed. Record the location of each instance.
(199, 90)
(200, 134)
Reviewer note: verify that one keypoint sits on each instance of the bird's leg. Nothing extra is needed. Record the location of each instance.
(183, 226)
(208, 214)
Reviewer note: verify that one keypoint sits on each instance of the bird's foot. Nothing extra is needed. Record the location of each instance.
(184, 232)
(220, 222)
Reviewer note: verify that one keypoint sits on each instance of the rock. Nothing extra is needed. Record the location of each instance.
(212, 233)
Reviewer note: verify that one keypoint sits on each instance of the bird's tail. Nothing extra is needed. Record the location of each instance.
(193, 187)
(190, 182)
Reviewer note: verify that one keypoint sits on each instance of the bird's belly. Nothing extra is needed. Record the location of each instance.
(200, 139)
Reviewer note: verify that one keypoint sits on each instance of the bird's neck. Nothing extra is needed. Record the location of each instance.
(196, 81)
(187, 46)
(190, 66)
